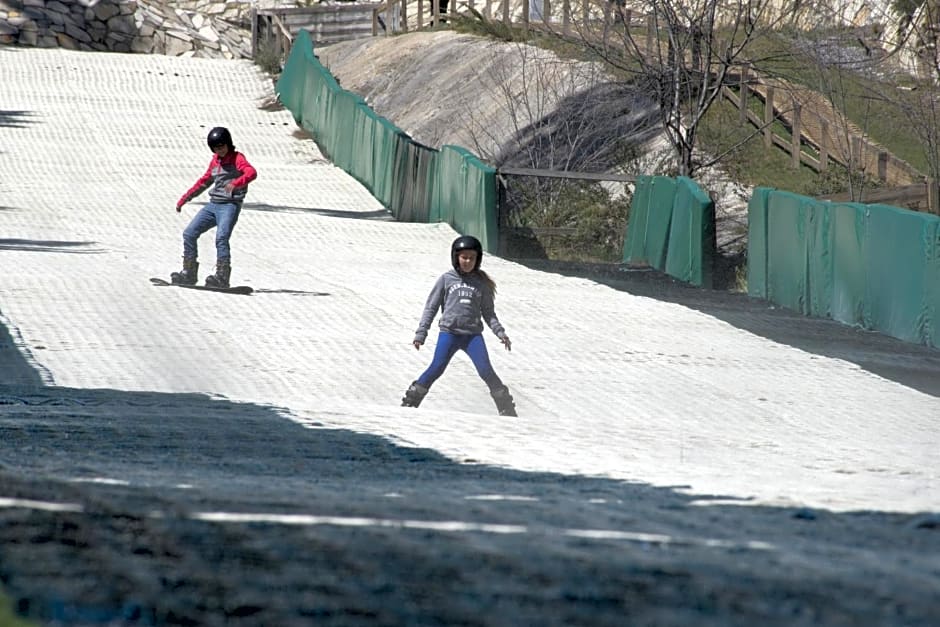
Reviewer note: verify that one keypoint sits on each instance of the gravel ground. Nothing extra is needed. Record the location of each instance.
(353, 530)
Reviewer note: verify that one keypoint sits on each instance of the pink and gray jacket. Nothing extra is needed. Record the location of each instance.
(232, 168)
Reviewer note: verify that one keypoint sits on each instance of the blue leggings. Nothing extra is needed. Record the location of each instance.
(447, 346)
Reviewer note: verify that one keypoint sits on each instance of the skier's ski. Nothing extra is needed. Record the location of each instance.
(235, 289)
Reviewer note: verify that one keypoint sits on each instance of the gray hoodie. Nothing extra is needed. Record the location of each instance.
(465, 301)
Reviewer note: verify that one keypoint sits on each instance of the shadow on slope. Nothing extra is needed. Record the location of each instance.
(589, 131)
(45, 246)
(380, 214)
(149, 509)
(15, 119)
(912, 365)
(14, 368)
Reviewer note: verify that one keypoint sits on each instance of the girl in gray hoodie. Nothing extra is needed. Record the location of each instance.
(464, 296)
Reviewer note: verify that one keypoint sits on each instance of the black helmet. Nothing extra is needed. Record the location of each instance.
(219, 136)
(466, 242)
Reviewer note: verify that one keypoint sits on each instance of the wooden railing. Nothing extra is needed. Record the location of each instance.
(419, 14)
(917, 197)
(269, 27)
(829, 138)
(325, 23)
(814, 122)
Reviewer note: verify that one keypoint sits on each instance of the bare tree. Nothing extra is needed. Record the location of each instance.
(683, 55)
(536, 110)
(540, 112)
(840, 62)
(917, 39)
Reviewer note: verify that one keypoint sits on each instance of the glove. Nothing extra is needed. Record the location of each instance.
(179, 205)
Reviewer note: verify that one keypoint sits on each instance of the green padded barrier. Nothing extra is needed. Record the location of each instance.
(402, 175)
(326, 110)
(897, 272)
(875, 266)
(385, 164)
(347, 115)
(659, 220)
(465, 195)
(320, 116)
(445, 195)
(691, 247)
(401, 172)
(425, 173)
(757, 242)
(291, 84)
(679, 253)
(932, 289)
(636, 222)
(361, 165)
(412, 188)
(414, 182)
(786, 251)
(650, 220)
(317, 107)
(849, 301)
(671, 228)
(818, 258)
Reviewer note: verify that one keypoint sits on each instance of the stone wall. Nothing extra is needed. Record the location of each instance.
(208, 28)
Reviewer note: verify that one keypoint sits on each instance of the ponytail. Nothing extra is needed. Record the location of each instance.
(490, 283)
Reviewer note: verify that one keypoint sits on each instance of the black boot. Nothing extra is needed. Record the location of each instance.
(414, 395)
(223, 271)
(188, 275)
(504, 403)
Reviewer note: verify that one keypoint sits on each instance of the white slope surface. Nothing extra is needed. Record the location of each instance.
(96, 148)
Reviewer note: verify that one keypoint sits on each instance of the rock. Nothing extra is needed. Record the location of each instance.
(178, 44)
(77, 33)
(143, 45)
(57, 7)
(105, 12)
(64, 41)
(28, 37)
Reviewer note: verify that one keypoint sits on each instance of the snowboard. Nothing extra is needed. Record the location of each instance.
(235, 289)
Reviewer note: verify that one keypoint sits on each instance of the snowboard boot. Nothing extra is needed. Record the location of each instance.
(223, 271)
(504, 403)
(188, 275)
(414, 395)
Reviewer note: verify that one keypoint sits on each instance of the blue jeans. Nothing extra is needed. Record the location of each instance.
(447, 346)
(223, 216)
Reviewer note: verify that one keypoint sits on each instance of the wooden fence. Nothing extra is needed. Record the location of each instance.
(814, 124)
(408, 15)
(325, 23)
